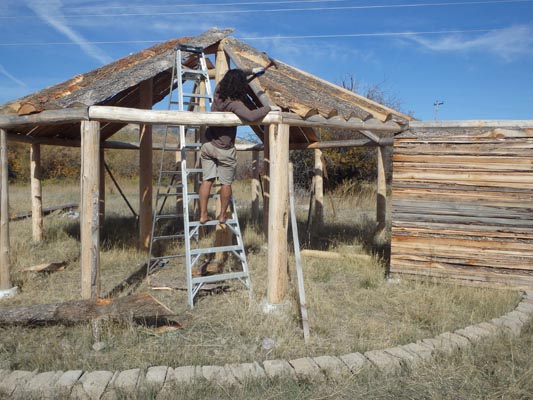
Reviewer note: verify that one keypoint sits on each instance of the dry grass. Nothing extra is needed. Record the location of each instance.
(352, 307)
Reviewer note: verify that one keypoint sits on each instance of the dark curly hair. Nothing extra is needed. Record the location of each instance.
(233, 85)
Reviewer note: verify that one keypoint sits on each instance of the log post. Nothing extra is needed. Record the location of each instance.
(381, 206)
(278, 214)
(5, 279)
(36, 193)
(266, 179)
(318, 178)
(101, 202)
(221, 64)
(255, 187)
(145, 170)
(89, 230)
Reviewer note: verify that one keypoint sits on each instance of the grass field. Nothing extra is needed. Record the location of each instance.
(352, 307)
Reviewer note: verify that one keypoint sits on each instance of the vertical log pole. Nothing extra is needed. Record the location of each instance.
(90, 197)
(256, 187)
(319, 189)
(278, 214)
(381, 206)
(5, 279)
(36, 193)
(222, 64)
(145, 170)
(101, 202)
(266, 179)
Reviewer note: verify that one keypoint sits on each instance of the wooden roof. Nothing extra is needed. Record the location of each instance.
(304, 94)
(117, 84)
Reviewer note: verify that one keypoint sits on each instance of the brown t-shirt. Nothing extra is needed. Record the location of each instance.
(223, 137)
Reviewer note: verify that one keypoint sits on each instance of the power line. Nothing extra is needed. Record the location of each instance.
(348, 35)
(374, 34)
(204, 4)
(277, 10)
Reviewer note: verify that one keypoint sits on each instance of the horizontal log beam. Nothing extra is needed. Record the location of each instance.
(260, 147)
(163, 117)
(13, 137)
(50, 117)
(168, 117)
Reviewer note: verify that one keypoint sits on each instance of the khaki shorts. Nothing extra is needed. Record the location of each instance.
(219, 163)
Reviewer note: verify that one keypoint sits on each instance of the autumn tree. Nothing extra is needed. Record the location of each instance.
(347, 163)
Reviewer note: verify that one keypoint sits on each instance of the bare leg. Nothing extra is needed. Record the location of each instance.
(225, 196)
(205, 189)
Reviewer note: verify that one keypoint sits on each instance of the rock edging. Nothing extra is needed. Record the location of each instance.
(161, 380)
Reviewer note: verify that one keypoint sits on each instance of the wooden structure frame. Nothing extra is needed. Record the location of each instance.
(88, 109)
(93, 117)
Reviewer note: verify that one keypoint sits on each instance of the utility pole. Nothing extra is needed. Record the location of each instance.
(437, 104)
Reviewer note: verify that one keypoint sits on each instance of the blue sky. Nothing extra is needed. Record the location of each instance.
(474, 56)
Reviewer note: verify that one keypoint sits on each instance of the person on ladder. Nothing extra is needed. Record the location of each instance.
(218, 153)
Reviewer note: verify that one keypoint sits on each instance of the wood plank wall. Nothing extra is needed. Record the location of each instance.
(462, 205)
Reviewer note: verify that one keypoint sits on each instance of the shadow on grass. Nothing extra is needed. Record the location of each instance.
(117, 232)
(121, 232)
(330, 235)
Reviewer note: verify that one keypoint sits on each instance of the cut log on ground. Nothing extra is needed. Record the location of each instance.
(142, 308)
(46, 211)
(47, 267)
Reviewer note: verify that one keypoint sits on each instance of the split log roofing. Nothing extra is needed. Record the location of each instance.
(117, 84)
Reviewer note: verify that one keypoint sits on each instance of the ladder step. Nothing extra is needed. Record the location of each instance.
(195, 196)
(193, 72)
(190, 48)
(168, 216)
(186, 103)
(197, 95)
(188, 126)
(219, 277)
(194, 224)
(192, 146)
(194, 170)
(161, 195)
(178, 185)
(168, 237)
(167, 257)
(219, 249)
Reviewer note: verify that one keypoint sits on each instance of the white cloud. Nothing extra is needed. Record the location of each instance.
(505, 43)
(4, 72)
(50, 12)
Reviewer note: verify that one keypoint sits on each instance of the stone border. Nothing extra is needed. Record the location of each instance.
(161, 380)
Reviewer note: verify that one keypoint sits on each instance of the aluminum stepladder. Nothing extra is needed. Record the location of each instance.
(174, 184)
